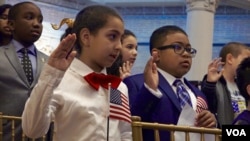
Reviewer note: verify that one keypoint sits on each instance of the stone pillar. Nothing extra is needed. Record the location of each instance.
(200, 26)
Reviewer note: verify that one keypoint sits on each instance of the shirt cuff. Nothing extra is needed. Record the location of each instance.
(156, 93)
(51, 76)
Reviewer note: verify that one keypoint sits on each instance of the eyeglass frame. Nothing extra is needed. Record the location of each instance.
(190, 50)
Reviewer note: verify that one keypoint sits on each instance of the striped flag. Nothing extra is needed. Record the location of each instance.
(201, 104)
(119, 106)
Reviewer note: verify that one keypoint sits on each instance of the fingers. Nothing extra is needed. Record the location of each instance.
(63, 55)
(216, 64)
(151, 66)
(150, 72)
(65, 47)
(125, 69)
(205, 119)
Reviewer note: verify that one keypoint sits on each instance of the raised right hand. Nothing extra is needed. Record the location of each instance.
(150, 72)
(215, 70)
(63, 55)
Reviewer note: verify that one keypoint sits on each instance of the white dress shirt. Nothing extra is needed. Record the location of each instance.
(170, 79)
(79, 112)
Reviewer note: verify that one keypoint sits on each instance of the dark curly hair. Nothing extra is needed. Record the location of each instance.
(243, 77)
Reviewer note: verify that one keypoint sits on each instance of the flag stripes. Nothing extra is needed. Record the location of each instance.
(119, 106)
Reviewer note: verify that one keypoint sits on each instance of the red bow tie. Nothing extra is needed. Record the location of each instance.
(95, 80)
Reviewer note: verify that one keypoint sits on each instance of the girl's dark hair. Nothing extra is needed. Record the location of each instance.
(126, 34)
(234, 48)
(159, 35)
(93, 17)
(114, 69)
(67, 31)
(4, 7)
(243, 77)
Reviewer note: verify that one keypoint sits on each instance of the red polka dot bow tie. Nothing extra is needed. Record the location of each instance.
(98, 79)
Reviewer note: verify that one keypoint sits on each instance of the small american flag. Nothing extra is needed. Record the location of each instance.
(119, 106)
(201, 104)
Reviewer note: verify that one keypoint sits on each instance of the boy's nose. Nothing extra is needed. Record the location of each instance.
(119, 45)
(37, 23)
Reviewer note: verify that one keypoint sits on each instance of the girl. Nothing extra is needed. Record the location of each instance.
(123, 64)
(66, 93)
(5, 33)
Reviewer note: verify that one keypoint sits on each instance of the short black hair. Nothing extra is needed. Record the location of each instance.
(15, 9)
(234, 48)
(243, 77)
(158, 37)
(4, 7)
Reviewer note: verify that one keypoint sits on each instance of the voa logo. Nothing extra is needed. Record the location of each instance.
(236, 132)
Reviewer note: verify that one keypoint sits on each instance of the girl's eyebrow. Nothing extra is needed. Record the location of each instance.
(115, 31)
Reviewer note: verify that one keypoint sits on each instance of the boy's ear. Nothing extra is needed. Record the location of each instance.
(85, 37)
(229, 58)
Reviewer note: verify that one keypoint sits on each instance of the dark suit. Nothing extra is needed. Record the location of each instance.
(14, 87)
(165, 110)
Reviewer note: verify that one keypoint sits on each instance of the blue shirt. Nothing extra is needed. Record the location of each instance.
(32, 54)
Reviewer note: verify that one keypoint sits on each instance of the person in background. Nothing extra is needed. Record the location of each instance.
(25, 23)
(74, 91)
(219, 85)
(124, 63)
(243, 83)
(155, 95)
(5, 33)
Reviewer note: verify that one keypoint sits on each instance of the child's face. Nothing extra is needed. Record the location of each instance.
(104, 47)
(27, 26)
(4, 28)
(129, 49)
(171, 62)
(236, 61)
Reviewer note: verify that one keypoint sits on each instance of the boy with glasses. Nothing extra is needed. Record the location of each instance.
(160, 93)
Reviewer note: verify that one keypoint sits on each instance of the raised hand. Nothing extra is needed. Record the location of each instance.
(125, 69)
(150, 72)
(63, 55)
(215, 70)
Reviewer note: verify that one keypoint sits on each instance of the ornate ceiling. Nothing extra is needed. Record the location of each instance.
(78, 4)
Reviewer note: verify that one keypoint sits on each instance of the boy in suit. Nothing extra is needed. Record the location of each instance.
(25, 21)
(153, 95)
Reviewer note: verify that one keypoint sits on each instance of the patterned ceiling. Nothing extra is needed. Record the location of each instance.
(77, 4)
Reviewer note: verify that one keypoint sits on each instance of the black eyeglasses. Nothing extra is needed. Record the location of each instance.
(179, 49)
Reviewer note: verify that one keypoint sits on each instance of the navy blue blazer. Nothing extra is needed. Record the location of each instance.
(164, 110)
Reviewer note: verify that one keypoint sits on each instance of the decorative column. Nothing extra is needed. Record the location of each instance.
(200, 27)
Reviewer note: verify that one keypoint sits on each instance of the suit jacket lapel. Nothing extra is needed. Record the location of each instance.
(11, 54)
(168, 91)
(40, 61)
